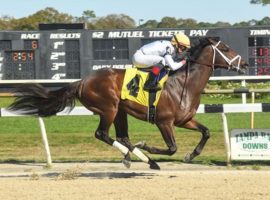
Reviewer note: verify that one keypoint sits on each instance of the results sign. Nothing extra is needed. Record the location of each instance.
(250, 144)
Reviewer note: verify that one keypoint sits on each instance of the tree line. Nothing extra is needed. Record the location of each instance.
(115, 21)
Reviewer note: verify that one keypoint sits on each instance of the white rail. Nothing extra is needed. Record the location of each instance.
(213, 78)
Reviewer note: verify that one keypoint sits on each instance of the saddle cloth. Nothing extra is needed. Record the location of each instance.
(132, 88)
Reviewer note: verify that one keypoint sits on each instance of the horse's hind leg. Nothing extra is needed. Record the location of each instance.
(121, 129)
(102, 132)
(194, 125)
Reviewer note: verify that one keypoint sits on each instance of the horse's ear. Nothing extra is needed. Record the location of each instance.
(212, 40)
(204, 41)
(195, 42)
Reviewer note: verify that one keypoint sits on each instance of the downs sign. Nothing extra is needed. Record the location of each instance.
(250, 144)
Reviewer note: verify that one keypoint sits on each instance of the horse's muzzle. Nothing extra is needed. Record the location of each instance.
(243, 68)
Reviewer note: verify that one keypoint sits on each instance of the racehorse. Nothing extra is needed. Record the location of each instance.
(100, 93)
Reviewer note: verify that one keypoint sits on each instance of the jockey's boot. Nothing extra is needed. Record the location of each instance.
(152, 82)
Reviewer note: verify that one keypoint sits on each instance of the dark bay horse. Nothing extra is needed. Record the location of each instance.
(100, 93)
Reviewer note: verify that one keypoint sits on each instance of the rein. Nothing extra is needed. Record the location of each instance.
(186, 77)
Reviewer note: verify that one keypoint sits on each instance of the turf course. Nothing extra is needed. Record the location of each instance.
(71, 138)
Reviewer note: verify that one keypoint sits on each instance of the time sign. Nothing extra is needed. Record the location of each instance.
(259, 54)
(22, 56)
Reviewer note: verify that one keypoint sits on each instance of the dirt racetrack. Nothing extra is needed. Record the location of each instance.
(113, 181)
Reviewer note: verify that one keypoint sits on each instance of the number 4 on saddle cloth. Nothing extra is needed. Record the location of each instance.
(132, 89)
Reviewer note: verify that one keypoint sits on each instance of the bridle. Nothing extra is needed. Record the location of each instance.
(228, 60)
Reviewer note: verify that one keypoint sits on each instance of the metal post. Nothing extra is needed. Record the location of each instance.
(252, 113)
(45, 141)
(226, 138)
(244, 95)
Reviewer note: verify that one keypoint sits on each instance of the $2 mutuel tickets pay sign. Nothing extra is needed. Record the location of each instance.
(250, 144)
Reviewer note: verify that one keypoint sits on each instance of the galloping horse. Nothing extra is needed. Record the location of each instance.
(100, 93)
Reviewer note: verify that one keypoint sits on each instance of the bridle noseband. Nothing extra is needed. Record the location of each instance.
(229, 61)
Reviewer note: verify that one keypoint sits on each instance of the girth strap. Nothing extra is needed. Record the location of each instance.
(151, 117)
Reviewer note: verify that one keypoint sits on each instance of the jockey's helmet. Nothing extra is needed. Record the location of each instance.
(180, 39)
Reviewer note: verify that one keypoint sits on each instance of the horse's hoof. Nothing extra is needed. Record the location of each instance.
(127, 160)
(140, 144)
(187, 158)
(126, 163)
(153, 165)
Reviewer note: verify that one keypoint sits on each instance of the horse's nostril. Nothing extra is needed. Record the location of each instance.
(242, 70)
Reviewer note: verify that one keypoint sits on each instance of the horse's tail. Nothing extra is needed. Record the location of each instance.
(34, 99)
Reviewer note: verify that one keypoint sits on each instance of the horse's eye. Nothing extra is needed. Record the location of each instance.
(226, 49)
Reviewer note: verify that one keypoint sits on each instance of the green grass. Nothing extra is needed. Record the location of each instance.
(71, 138)
(5, 101)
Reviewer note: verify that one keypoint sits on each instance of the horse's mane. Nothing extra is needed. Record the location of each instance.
(197, 46)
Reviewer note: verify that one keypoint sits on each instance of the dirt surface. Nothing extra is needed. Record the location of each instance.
(113, 181)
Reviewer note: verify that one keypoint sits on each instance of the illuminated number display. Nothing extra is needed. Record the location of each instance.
(259, 54)
(19, 64)
(30, 44)
(22, 56)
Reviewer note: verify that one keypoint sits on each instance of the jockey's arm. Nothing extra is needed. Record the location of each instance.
(173, 65)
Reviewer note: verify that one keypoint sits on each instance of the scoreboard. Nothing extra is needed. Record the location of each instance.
(73, 54)
(259, 54)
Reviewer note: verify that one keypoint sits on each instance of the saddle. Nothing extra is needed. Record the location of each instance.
(132, 89)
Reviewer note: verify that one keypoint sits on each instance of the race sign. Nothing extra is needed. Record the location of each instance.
(250, 144)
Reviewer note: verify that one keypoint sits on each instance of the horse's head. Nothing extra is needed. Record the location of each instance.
(213, 53)
(225, 57)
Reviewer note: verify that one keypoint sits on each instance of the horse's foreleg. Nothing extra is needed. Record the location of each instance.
(121, 129)
(167, 133)
(194, 125)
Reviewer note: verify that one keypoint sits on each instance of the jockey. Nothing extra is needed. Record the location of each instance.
(161, 53)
